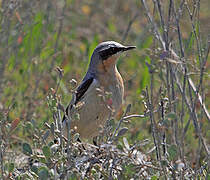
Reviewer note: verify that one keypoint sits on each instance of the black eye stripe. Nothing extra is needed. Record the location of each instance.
(106, 53)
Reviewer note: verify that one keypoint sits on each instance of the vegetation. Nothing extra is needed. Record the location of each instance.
(163, 134)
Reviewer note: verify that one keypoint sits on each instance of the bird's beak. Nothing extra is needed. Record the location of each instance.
(126, 48)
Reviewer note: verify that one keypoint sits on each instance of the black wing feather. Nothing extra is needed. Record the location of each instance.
(82, 89)
(79, 93)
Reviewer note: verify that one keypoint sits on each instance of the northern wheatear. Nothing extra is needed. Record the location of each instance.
(102, 74)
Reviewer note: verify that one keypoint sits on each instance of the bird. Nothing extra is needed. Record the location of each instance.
(89, 100)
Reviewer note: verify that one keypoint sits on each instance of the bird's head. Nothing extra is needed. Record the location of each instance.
(106, 54)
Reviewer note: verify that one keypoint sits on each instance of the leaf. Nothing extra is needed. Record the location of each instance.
(27, 149)
(128, 109)
(122, 131)
(46, 151)
(171, 115)
(43, 173)
(125, 141)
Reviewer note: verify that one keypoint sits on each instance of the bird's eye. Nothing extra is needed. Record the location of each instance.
(112, 50)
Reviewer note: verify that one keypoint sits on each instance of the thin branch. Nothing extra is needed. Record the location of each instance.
(153, 127)
(133, 116)
(193, 116)
(158, 37)
(154, 25)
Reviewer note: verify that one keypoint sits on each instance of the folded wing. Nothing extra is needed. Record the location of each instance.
(81, 90)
